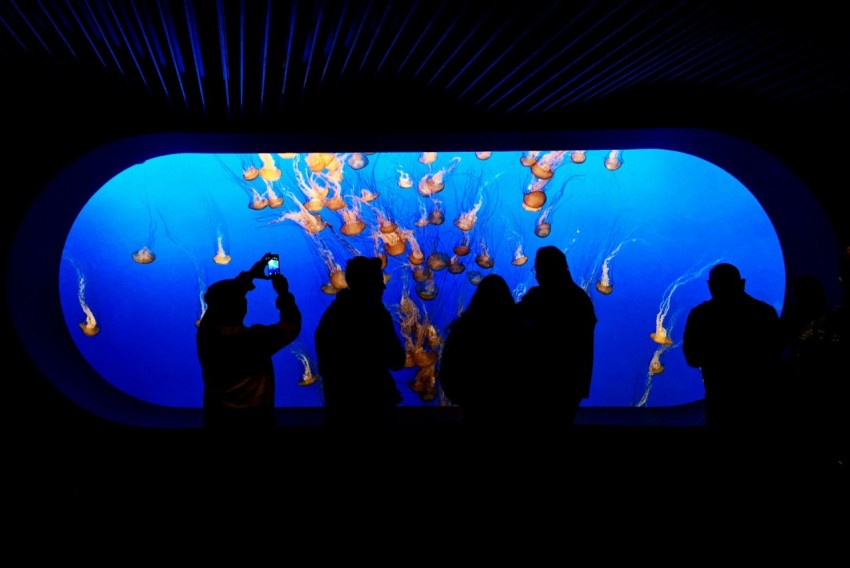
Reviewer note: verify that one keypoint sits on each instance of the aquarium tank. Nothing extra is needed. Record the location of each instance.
(640, 229)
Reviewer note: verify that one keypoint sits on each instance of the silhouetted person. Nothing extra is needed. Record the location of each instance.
(357, 347)
(822, 382)
(236, 361)
(561, 343)
(483, 366)
(736, 341)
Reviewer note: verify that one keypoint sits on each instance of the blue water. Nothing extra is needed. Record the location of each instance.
(656, 224)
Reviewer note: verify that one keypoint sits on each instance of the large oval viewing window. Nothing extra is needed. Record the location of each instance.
(640, 225)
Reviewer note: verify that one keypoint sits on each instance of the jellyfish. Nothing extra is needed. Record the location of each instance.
(90, 327)
(455, 265)
(307, 220)
(273, 199)
(318, 161)
(660, 335)
(534, 196)
(315, 194)
(421, 273)
(483, 155)
(404, 179)
(352, 220)
(529, 158)
(221, 257)
(655, 368)
(465, 221)
(462, 247)
(309, 376)
(250, 171)
(519, 257)
(613, 160)
(202, 286)
(474, 277)
(437, 260)
(395, 243)
(432, 183)
(427, 158)
(269, 171)
(427, 290)
(578, 156)
(544, 168)
(358, 160)
(145, 255)
(542, 226)
(424, 383)
(484, 259)
(604, 284)
(422, 220)
(416, 256)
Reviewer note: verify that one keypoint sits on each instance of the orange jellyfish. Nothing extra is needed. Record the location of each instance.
(462, 247)
(578, 156)
(318, 161)
(221, 257)
(465, 221)
(145, 255)
(425, 383)
(250, 171)
(287, 155)
(367, 196)
(474, 277)
(519, 257)
(307, 220)
(427, 290)
(269, 171)
(435, 182)
(613, 160)
(421, 273)
(314, 193)
(90, 327)
(352, 220)
(358, 160)
(483, 155)
(534, 196)
(542, 226)
(604, 284)
(309, 375)
(404, 179)
(437, 216)
(484, 259)
(455, 265)
(394, 243)
(422, 220)
(544, 168)
(273, 199)
(529, 158)
(416, 256)
(427, 158)
(655, 368)
(660, 334)
(437, 260)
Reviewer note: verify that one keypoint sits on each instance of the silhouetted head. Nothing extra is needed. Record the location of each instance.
(550, 265)
(364, 275)
(226, 302)
(724, 281)
(492, 296)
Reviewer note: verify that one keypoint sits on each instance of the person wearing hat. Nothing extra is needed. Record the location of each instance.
(357, 347)
(236, 360)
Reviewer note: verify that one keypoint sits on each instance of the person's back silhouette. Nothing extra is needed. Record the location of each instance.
(483, 362)
(236, 361)
(736, 342)
(357, 347)
(561, 343)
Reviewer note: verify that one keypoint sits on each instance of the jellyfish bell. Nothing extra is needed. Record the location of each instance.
(578, 156)
(338, 279)
(416, 258)
(431, 184)
(455, 265)
(543, 229)
(427, 158)
(250, 173)
(423, 358)
(462, 248)
(353, 227)
(474, 277)
(613, 160)
(89, 330)
(144, 256)
(533, 200)
(307, 379)
(484, 260)
(541, 171)
(395, 248)
(221, 258)
(656, 368)
(329, 289)
(368, 196)
(426, 290)
(336, 203)
(519, 260)
(483, 155)
(437, 260)
(603, 288)
(661, 337)
(422, 273)
(528, 160)
(358, 161)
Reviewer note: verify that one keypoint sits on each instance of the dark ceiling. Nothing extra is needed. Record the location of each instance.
(78, 73)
